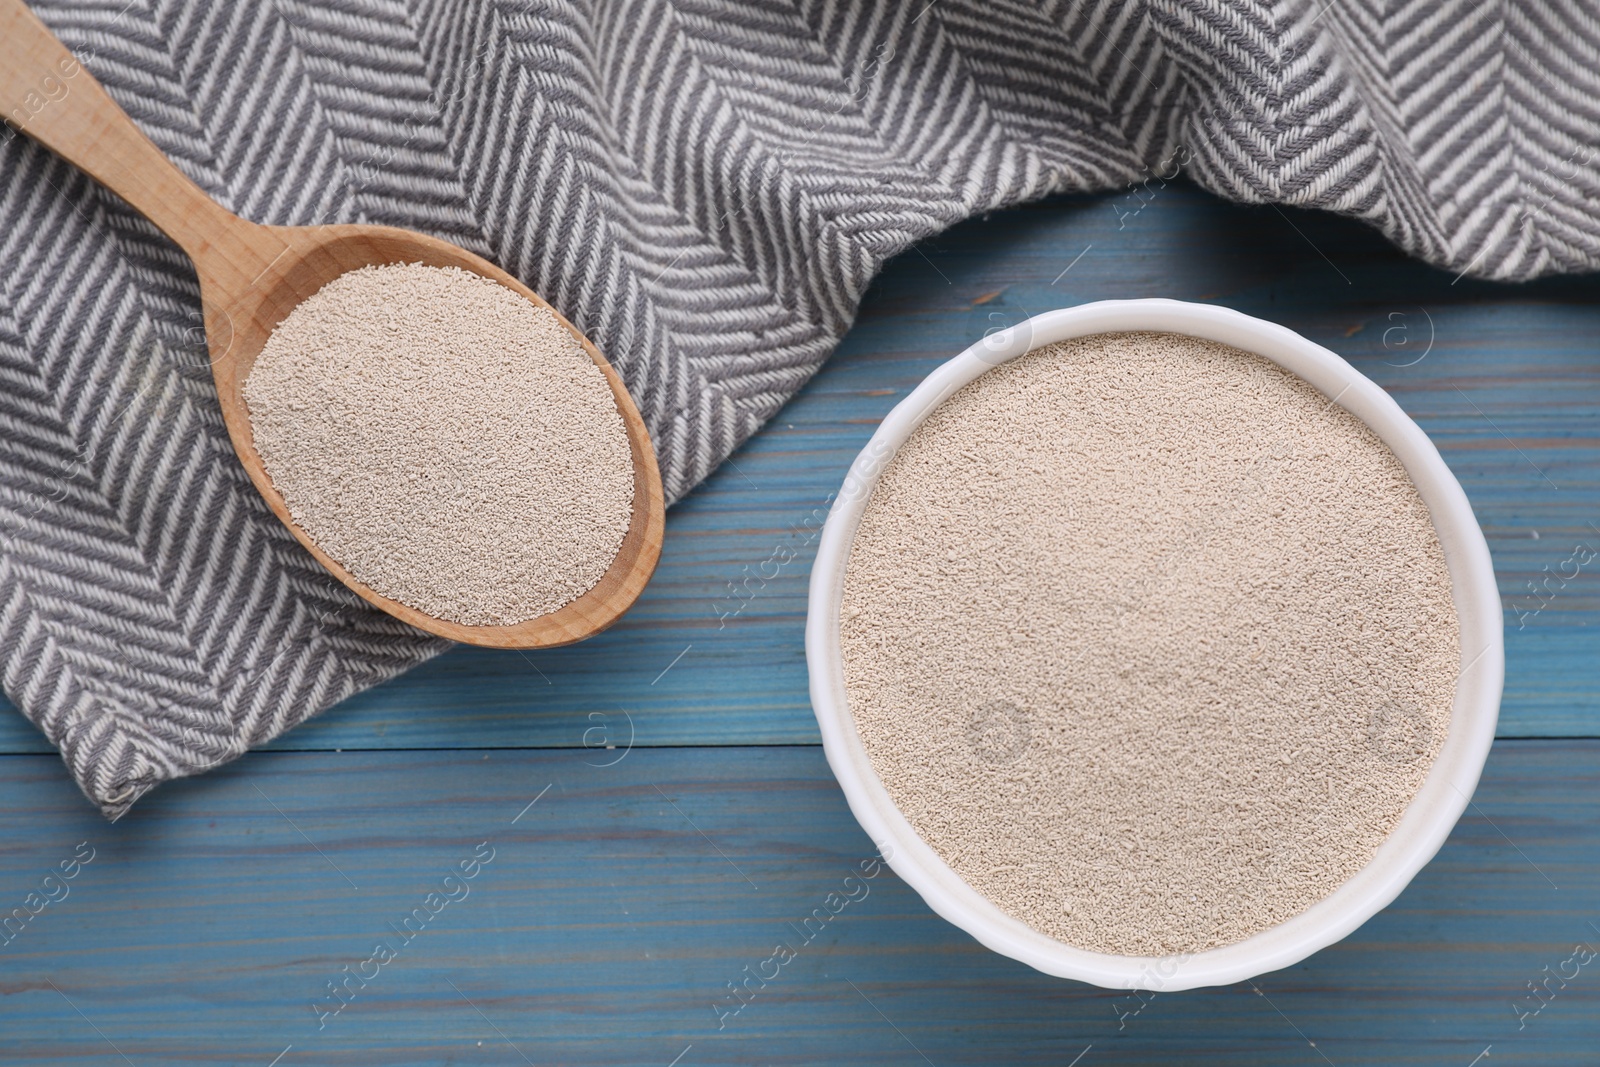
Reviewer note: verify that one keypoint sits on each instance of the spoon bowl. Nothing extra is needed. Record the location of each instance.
(252, 276)
(239, 320)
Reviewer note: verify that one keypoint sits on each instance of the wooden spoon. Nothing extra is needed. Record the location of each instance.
(252, 276)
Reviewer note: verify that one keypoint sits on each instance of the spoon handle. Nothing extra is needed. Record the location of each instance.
(46, 93)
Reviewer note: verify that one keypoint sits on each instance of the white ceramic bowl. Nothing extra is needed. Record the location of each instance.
(1426, 822)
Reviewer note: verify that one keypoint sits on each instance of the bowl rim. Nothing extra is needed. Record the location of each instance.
(1426, 821)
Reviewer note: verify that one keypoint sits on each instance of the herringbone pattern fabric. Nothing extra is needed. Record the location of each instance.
(703, 186)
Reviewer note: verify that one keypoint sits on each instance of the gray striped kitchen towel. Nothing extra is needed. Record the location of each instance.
(703, 186)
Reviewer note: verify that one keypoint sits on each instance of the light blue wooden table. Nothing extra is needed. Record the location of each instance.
(629, 885)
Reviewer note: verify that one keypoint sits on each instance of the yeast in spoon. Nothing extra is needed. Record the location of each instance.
(447, 441)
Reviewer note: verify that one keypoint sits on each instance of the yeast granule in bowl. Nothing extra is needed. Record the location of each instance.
(1149, 640)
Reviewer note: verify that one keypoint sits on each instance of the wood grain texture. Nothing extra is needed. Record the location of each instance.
(253, 276)
(610, 921)
(644, 877)
(617, 908)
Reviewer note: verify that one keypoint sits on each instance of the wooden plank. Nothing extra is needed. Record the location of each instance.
(617, 907)
(1506, 380)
